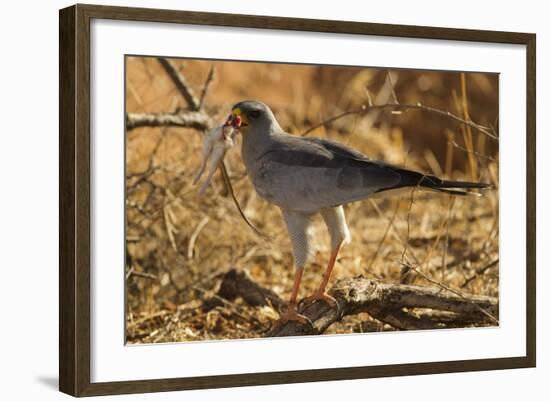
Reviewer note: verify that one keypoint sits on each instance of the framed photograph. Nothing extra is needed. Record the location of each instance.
(251, 200)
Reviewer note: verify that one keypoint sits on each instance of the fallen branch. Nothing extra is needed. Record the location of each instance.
(405, 307)
(238, 283)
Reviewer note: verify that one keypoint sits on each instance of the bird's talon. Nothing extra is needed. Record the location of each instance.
(320, 296)
(291, 314)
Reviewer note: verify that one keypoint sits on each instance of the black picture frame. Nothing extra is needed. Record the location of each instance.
(74, 199)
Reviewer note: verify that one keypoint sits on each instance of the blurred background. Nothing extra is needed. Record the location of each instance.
(179, 243)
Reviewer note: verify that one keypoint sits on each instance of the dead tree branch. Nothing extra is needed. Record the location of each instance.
(185, 119)
(405, 307)
(180, 82)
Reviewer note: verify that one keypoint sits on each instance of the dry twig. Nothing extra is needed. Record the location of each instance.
(206, 85)
(403, 107)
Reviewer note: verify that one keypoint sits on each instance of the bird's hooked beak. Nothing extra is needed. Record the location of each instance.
(237, 119)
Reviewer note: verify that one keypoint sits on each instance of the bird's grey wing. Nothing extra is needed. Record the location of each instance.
(337, 148)
(306, 174)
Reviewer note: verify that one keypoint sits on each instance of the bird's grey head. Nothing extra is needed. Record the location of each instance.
(251, 116)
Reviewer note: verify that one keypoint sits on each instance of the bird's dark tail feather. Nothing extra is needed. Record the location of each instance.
(460, 188)
(414, 179)
(452, 191)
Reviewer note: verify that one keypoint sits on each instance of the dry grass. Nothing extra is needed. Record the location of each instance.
(178, 242)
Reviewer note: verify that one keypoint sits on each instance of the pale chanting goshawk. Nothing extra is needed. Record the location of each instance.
(305, 176)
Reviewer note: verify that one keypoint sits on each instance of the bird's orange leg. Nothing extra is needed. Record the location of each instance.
(321, 294)
(291, 312)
